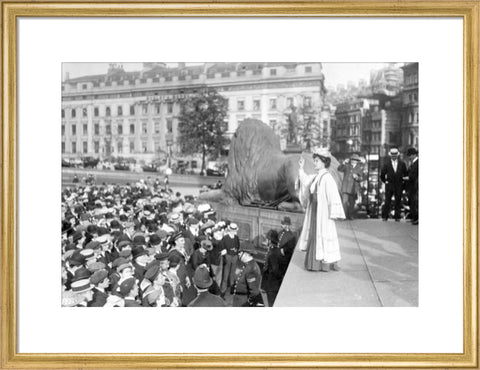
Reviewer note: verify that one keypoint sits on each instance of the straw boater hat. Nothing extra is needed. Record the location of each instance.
(393, 152)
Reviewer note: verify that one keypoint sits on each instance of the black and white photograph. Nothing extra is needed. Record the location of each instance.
(239, 184)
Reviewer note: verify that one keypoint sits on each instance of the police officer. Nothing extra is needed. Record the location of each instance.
(248, 278)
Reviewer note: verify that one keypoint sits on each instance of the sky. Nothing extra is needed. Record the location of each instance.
(335, 73)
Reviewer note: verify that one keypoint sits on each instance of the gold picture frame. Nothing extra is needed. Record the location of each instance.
(12, 10)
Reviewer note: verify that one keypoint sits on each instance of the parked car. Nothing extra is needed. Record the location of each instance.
(66, 163)
(122, 166)
(215, 172)
(90, 162)
(150, 168)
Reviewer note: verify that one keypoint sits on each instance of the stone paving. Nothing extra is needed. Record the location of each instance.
(379, 268)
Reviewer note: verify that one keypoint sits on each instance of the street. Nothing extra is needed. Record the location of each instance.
(186, 184)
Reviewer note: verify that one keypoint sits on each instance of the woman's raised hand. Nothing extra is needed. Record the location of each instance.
(301, 162)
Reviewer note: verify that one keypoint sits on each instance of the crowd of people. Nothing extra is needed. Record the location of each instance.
(144, 245)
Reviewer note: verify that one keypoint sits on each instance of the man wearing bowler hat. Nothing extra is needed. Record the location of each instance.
(203, 281)
(393, 174)
(352, 177)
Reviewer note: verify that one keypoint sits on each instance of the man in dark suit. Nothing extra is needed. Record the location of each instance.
(412, 155)
(352, 176)
(286, 244)
(393, 174)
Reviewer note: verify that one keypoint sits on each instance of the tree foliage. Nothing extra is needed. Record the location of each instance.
(201, 123)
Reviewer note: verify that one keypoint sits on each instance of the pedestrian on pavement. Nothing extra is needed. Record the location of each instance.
(393, 174)
(319, 195)
(248, 279)
(352, 177)
(412, 184)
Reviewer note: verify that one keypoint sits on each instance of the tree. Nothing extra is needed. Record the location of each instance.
(201, 124)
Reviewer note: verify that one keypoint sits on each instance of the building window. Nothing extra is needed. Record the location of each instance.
(132, 128)
(132, 146)
(96, 146)
(119, 110)
(169, 125)
(63, 146)
(107, 111)
(63, 130)
(144, 108)
(289, 102)
(63, 113)
(108, 130)
(157, 108)
(256, 104)
(120, 129)
(157, 127)
(74, 113)
(84, 112)
(85, 147)
(132, 110)
(74, 147)
(144, 146)
(120, 147)
(273, 72)
(84, 86)
(95, 111)
(308, 69)
(170, 107)
(307, 101)
(96, 128)
(240, 105)
(85, 129)
(74, 130)
(273, 103)
(144, 127)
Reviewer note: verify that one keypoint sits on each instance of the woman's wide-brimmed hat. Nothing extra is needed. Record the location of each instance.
(324, 152)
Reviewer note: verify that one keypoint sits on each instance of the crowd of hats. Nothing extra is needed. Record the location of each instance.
(110, 229)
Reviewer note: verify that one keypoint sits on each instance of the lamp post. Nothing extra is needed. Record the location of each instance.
(203, 106)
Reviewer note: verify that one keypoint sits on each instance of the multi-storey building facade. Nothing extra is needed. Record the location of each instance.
(135, 114)
(381, 128)
(410, 114)
(349, 118)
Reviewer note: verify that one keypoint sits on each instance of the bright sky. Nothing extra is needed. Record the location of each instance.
(335, 73)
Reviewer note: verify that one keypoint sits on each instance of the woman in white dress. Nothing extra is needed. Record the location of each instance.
(319, 195)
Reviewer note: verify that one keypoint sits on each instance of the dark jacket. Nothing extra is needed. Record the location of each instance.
(393, 180)
(286, 243)
(232, 245)
(413, 176)
(207, 299)
(351, 183)
(248, 279)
